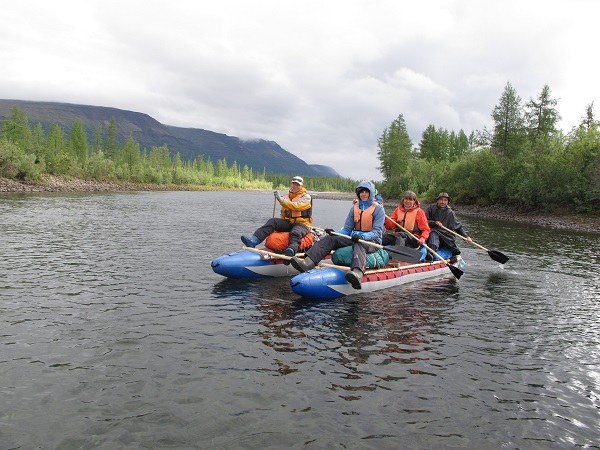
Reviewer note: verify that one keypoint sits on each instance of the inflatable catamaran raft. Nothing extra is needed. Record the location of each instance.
(327, 280)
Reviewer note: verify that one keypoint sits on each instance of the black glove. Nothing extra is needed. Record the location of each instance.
(355, 238)
(329, 231)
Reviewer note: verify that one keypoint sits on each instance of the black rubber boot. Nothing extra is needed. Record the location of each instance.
(354, 277)
(302, 265)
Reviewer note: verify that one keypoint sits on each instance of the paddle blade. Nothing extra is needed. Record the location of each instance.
(455, 271)
(404, 254)
(498, 256)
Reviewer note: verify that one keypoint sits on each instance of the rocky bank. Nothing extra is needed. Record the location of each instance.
(50, 183)
(559, 221)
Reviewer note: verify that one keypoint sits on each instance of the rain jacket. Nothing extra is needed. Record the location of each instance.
(297, 208)
(414, 220)
(378, 216)
(448, 218)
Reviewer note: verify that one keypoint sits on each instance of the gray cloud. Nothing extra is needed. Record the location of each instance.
(323, 79)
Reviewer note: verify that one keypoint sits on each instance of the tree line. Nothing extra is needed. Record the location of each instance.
(26, 153)
(524, 161)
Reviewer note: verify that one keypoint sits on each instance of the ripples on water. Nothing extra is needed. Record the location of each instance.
(116, 334)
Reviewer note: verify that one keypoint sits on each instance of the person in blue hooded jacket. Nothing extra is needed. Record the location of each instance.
(364, 221)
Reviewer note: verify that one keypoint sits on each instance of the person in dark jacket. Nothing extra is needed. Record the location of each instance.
(364, 221)
(441, 214)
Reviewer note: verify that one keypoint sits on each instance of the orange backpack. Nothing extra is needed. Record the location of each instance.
(278, 240)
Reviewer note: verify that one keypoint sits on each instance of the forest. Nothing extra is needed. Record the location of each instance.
(525, 161)
(27, 152)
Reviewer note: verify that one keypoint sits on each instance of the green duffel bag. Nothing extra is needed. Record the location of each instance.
(377, 260)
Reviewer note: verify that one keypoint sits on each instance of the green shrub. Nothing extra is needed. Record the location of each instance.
(15, 164)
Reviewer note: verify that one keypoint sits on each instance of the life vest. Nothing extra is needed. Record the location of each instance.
(363, 220)
(410, 221)
(293, 216)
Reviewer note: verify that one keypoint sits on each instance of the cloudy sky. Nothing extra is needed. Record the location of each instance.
(321, 78)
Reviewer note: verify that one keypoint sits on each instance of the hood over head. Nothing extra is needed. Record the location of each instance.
(368, 186)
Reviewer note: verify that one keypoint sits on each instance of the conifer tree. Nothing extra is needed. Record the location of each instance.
(78, 142)
(246, 173)
(234, 171)
(589, 120)
(97, 145)
(509, 124)
(56, 151)
(165, 158)
(177, 163)
(395, 149)
(199, 164)
(16, 129)
(429, 143)
(542, 117)
(111, 147)
(460, 146)
(130, 155)
(38, 142)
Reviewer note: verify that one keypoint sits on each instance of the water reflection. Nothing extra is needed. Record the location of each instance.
(381, 328)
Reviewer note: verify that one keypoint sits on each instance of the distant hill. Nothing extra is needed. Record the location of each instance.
(257, 154)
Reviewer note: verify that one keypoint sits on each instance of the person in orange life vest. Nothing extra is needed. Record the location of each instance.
(364, 221)
(440, 214)
(410, 215)
(295, 217)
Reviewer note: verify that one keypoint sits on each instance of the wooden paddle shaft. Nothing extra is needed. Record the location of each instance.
(462, 237)
(269, 254)
(383, 269)
(374, 244)
(402, 256)
(335, 266)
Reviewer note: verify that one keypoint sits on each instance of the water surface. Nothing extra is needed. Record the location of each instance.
(115, 333)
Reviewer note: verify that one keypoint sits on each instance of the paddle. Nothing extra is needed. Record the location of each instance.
(335, 266)
(494, 254)
(273, 254)
(383, 269)
(455, 270)
(407, 255)
(269, 254)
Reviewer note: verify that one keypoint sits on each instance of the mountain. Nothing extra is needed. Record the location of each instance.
(257, 154)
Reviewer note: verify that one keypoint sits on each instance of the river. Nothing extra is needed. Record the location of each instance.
(115, 333)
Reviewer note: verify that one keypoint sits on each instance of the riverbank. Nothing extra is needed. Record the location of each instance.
(567, 221)
(51, 183)
(570, 221)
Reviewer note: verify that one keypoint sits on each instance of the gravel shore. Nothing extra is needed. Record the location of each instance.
(567, 221)
(50, 183)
